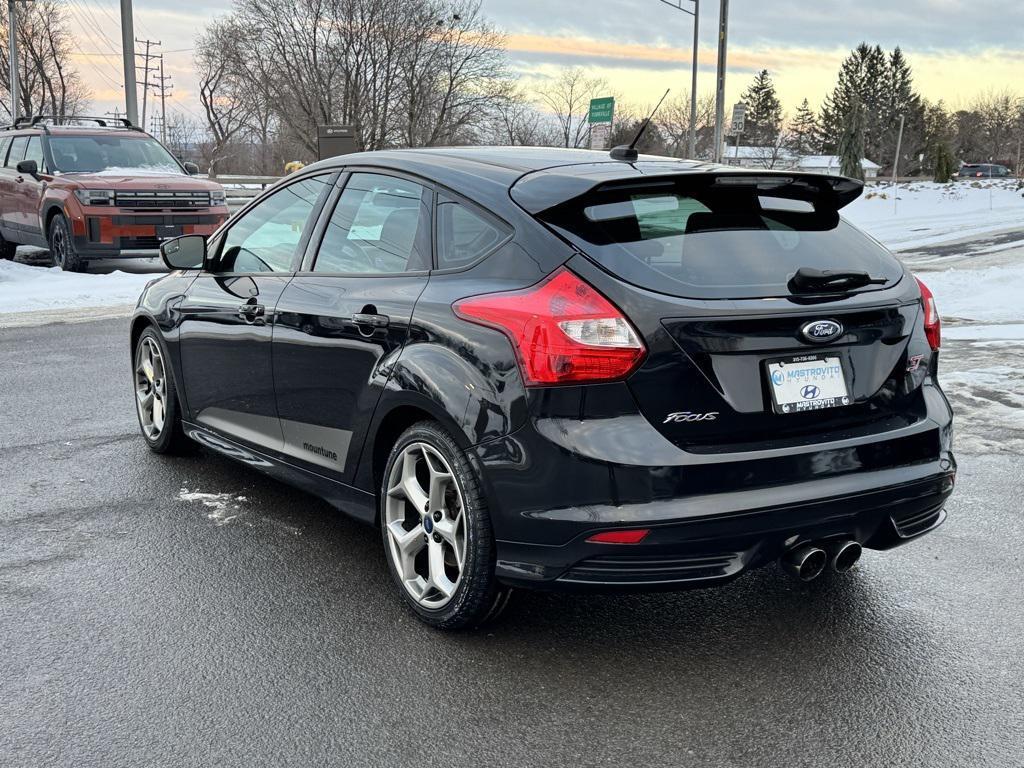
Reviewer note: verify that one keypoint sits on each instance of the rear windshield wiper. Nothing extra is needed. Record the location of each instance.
(808, 280)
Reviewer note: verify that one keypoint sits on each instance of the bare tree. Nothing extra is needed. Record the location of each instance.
(674, 119)
(47, 79)
(517, 122)
(568, 97)
(226, 104)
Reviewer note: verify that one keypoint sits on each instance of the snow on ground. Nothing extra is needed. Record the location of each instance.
(925, 213)
(25, 288)
(988, 295)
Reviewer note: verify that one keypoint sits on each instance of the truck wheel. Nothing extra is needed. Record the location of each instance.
(62, 246)
(7, 249)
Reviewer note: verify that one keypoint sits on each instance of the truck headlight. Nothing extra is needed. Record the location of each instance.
(217, 197)
(95, 196)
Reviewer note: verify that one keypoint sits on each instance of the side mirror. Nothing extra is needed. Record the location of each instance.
(191, 168)
(30, 167)
(187, 252)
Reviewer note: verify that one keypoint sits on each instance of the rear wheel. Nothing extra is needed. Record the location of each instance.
(62, 246)
(156, 400)
(437, 531)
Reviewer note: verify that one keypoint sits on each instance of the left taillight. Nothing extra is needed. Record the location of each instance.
(932, 323)
(562, 329)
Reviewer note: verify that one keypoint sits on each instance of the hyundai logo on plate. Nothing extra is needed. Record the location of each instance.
(810, 392)
(820, 331)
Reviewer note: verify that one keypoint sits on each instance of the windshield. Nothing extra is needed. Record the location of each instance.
(715, 244)
(112, 155)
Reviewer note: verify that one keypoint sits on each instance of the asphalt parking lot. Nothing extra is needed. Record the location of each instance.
(189, 612)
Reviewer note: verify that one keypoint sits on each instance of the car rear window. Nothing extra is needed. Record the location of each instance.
(715, 243)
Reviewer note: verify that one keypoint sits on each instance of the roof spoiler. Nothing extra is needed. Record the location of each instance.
(542, 190)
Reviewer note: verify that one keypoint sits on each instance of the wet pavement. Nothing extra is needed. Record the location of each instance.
(190, 612)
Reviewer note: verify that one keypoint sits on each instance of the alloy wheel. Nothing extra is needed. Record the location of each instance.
(151, 388)
(59, 246)
(426, 525)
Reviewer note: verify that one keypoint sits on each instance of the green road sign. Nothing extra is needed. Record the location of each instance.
(601, 110)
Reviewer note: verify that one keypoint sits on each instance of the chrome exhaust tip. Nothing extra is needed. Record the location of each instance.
(805, 562)
(844, 555)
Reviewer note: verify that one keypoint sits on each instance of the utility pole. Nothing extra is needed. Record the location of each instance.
(146, 58)
(164, 87)
(678, 5)
(723, 41)
(131, 98)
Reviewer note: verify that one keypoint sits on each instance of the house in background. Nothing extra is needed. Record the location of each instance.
(780, 158)
(830, 164)
(759, 157)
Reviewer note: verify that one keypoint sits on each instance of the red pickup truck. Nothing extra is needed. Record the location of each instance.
(100, 191)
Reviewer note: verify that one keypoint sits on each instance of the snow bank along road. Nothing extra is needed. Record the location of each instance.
(966, 240)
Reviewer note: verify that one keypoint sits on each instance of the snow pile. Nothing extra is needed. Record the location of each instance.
(989, 295)
(926, 213)
(24, 288)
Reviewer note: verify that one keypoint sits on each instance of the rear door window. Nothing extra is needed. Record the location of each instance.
(5, 144)
(715, 243)
(381, 225)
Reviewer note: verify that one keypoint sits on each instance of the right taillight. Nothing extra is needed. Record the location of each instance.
(563, 330)
(932, 324)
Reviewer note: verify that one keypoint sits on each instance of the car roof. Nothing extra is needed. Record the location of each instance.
(486, 174)
(537, 178)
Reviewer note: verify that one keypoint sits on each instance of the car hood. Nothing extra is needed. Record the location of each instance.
(138, 181)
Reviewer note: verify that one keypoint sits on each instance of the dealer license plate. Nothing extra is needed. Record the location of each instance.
(808, 383)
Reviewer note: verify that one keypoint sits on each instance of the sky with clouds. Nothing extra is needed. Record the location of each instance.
(641, 47)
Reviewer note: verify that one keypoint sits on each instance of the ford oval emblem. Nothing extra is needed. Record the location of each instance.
(821, 331)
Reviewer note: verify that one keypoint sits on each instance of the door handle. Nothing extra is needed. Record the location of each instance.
(373, 321)
(252, 311)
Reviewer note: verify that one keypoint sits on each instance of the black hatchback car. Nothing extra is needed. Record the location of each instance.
(553, 369)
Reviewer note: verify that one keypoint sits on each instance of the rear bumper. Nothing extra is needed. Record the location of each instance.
(706, 551)
(711, 517)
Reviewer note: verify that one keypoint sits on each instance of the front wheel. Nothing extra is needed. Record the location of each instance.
(437, 531)
(156, 400)
(62, 246)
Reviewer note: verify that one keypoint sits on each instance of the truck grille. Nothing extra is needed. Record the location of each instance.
(161, 199)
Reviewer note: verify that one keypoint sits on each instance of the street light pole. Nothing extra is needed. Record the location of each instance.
(723, 40)
(678, 5)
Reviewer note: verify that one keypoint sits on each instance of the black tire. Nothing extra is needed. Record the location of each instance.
(62, 246)
(8, 250)
(172, 438)
(479, 597)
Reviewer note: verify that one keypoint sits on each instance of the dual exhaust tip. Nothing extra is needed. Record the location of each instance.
(808, 561)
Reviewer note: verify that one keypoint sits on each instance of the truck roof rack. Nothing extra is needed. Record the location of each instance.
(44, 121)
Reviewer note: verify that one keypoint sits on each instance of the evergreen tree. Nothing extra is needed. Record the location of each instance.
(851, 141)
(883, 85)
(945, 163)
(803, 132)
(764, 112)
